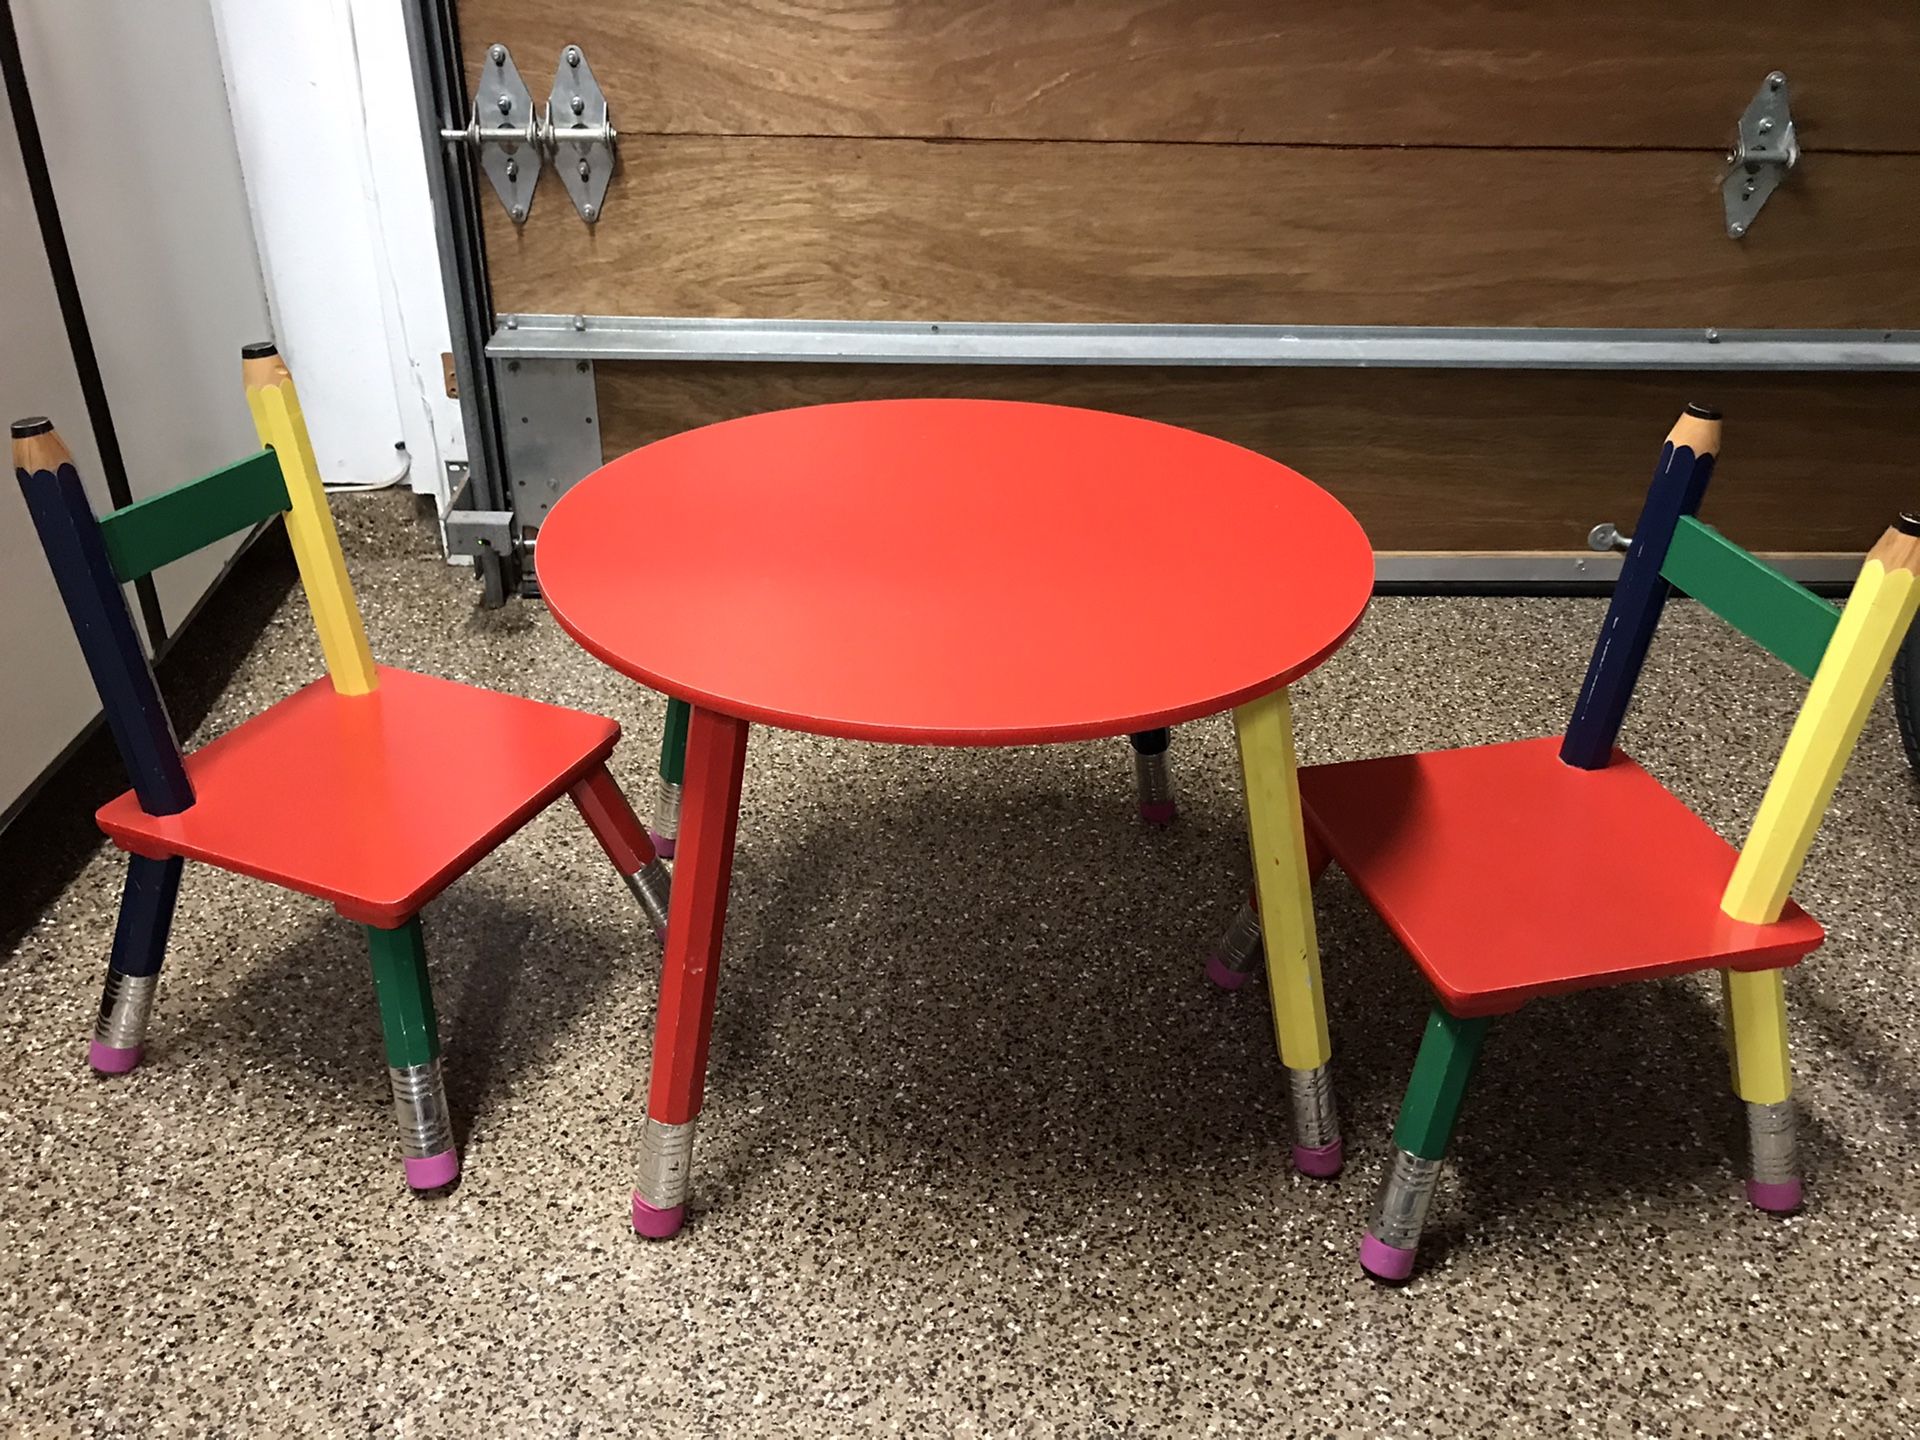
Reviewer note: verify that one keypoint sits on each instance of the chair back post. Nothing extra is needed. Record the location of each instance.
(310, 528)
(1855, 665)
(1679, 484)
(77, 553)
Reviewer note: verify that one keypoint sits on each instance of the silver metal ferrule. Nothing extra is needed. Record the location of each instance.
(666, 809)
(420, 1105)
(666, 1162)
(1155, 780)
(1770, 1142)
(1316, 1123)
(652, 886)
(1402, 1212)
(1239, 948)
(125, 1004)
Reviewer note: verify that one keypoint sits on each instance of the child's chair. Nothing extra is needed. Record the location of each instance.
(1484, 862)
(340, 791)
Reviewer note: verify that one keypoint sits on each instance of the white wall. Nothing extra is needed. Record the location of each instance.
(46, 698)
(157, 227)
(330, 146)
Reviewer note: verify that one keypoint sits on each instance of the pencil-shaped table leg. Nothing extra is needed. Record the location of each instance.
(1231, 962)
(1763, 1079)
(673, 765)
(716, 754)
(1283, 881)
(1153, 783)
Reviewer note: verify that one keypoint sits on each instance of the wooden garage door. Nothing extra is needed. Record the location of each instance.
(1226, 161)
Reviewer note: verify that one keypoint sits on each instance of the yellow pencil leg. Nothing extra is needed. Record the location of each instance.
(310, 528)
(1763, 1078)
(1276, 826)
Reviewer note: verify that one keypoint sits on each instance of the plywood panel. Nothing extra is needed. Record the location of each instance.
(904, 229)
(1428, 460)
(1404, 72)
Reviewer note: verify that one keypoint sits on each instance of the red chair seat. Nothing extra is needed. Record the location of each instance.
(373, 802)
(1507, 874)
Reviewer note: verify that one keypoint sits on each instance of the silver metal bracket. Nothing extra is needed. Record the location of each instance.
(505, 132)
(580, 133)
(1764, 149)
(550, 418)
(474, 532)
(511, 137)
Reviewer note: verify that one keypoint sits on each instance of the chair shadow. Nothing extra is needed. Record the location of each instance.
(309, 1002)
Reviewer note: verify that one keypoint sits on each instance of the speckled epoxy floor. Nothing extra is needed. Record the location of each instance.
(982, 1155)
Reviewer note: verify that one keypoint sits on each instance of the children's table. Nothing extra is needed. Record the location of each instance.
(956, 572)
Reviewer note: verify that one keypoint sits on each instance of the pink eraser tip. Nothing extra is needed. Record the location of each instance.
(112, 1059)
(1781, 1198)
(655, 1223)
(1384, 1262)
(1322, 1162)
(1157, 812)
(1224, 975)
(434, 1171)
(662, 844)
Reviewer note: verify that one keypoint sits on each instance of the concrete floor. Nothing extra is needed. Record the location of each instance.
(981, 1155)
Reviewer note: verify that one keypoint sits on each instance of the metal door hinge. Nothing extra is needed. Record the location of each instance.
(575, 131)
(1764, 149)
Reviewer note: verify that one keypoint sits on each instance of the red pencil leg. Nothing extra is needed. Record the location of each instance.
(716, 753)
(624, 838)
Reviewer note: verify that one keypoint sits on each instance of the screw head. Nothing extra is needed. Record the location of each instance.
(519, 212)
(578, 104)
(1776, 80)
(513, 322)
(585, 169)
(498, 54)
(513, 169)
(579, 322)
(1713, 337)
(505, 103)
(581, 366)
(590, 214)
(513, 365)
(1766, 124)
(1736, 230)
(573, 55)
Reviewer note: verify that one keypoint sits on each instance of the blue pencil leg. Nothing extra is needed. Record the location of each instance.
(139, 945)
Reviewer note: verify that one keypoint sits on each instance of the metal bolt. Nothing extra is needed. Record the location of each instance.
(513, 322)
(590, 214)
(506, 103)
(1766, 124)
(513, 169)
(1736, 230)
(519, 212)
(585, 169)
(579, 322)
(498, 54)
(579, 104)
(1776, 80)
(573, 55)
(1713, 337)
(1747, 194)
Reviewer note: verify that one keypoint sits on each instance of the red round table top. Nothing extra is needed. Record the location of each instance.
(954, 572)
